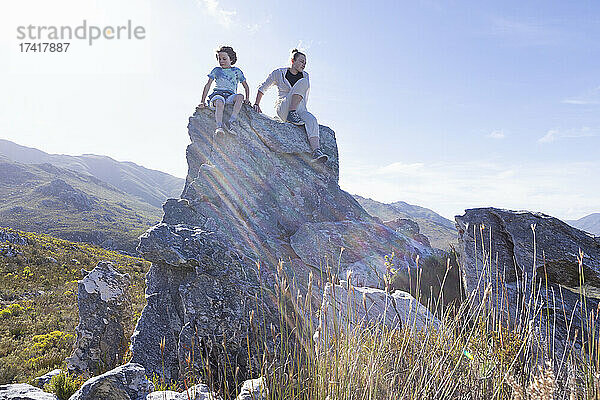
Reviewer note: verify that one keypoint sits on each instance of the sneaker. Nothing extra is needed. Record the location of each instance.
(319, 156)
(294, 118)
(219, 130)
(232, 125)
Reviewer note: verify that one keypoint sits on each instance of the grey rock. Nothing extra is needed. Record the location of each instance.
(249, 200)
(409, 228)
(23, 391)
(127, 382)
(253, 389)
(103, 304)
(544, 272)
(345, 306)
(68, 195)
(40, 381)
(8, 236)
(197, 392)
(9, 251)
(365, 245)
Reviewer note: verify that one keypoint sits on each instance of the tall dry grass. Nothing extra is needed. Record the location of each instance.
(484, 347)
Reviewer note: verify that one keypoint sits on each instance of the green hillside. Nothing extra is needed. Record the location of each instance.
(70, 205)
(38, 299)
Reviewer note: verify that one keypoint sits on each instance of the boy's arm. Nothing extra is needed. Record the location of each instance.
(205, 93)
(247, 89)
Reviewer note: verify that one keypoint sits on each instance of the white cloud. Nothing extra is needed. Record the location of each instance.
(566, 190)
(526, 33)
(588, 98)
(555, 134)
(498, 134)
(580, 102)
(215, 10)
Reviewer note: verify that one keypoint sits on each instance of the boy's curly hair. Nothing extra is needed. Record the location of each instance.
(230, 53)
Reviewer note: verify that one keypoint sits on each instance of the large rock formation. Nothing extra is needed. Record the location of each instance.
(251, 198)
(103, 303)
(540, 276)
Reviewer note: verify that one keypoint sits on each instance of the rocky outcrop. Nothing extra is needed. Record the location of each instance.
(251, 199)
(65, 194)
(127, 382)
(409, 228)
(23, 391)
(530, 259)
(13, 237)
(103, 304)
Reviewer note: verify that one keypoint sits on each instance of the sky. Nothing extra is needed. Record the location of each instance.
(445, 104)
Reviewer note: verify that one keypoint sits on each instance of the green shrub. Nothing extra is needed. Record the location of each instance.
(64, 385)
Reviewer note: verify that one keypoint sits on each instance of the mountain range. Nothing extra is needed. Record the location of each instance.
(589, 223)
(440, 231)
(87, 198)
(96, 199)
(149, 186)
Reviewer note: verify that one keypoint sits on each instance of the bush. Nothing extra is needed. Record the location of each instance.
(64, 385)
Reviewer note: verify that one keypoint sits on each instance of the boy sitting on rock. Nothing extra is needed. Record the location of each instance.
(227, 78)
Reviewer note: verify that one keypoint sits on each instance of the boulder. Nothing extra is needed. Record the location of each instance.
(127, 382)
(40, 381)
(197, 392)
(530, 258)
(23, 391)
(345, 307)
(251, 199)
(253, 389)
(103, 304)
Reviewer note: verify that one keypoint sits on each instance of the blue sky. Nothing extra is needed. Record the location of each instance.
(448, 105)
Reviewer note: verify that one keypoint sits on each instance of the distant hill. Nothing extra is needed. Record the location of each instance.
(589, 223)
(440, 231)
(72, 205)
(149, 186)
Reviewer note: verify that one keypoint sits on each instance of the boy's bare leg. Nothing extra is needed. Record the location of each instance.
(219, 107)
(296, 99)
(237, 106)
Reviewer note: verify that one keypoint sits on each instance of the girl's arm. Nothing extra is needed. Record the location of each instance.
(259, 96)
(247, 89)
(205, 93)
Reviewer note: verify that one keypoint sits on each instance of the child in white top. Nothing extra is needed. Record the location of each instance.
(227, 78)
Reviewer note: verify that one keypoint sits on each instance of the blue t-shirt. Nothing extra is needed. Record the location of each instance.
(227, 78)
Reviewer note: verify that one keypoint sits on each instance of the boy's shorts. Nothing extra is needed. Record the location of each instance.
(224, 95)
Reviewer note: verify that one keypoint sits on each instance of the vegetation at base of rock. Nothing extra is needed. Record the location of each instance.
(64, 385)
(474, 355)
(38, 296)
